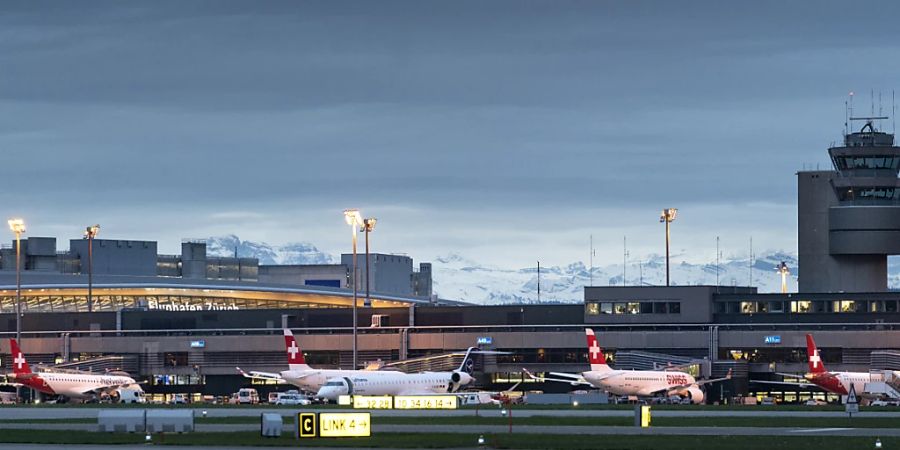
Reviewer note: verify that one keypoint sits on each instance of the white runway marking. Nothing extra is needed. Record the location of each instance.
(814, 430)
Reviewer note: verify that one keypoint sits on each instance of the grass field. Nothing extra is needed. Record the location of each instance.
(767, 422)
(505, 441)
(483, 407)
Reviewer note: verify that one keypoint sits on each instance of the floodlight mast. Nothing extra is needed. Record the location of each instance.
(668, 216)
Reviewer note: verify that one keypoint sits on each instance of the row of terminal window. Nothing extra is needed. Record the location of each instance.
(778, 355)
(866, 162)
(643, 307)
(868, 193)
(807, 306)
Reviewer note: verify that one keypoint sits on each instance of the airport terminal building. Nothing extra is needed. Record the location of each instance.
(184, 322)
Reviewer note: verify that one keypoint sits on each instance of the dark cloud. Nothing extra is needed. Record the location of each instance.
(196, 105)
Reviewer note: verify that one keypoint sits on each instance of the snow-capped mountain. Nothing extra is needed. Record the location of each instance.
(459, 278)
(456, 277)
(292, 253)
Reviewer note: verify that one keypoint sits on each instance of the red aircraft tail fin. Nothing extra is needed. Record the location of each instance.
(20, 366)
(294, 354)
(813, 357)
(595, 353)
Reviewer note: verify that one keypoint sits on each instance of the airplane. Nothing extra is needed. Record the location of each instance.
(834, 382)
(641, 383)
(399, 383)
(311, 379)
(69, 384)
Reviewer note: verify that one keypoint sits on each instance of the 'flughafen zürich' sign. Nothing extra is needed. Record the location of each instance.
(203, 305)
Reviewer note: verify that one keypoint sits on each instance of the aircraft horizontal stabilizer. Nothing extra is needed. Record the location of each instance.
(572, 379)
(256, 375)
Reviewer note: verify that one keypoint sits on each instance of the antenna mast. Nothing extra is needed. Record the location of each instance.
(592, 261)
(717, 264)
(751, 261)
(624, 258)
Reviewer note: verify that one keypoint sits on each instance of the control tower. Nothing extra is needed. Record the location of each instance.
(849, 217)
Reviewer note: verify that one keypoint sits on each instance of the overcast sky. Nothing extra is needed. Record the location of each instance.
(507, 132)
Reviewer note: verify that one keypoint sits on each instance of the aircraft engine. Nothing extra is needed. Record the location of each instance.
(457, 380)
(695, 394)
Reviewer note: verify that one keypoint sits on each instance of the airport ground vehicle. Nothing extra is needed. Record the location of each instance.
(767, 401)
(246, 396)
(131, 396)
(179, 399)
(284, 398)
(7, 398)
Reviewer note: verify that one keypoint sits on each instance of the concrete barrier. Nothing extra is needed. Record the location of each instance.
(170, 421)
(121, 420)
(270, 425)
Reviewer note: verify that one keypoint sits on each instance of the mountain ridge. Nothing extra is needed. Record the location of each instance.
(457, 277)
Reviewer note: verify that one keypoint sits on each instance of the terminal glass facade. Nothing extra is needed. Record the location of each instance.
(632, 307)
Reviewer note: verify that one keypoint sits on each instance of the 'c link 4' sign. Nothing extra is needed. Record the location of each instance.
(312, 425)
(426, 402)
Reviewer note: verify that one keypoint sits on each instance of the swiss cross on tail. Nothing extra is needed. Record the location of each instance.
(595, 353)
(814, 358)
(20, 366)
(295, 355)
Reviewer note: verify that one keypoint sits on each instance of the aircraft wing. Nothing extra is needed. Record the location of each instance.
(256, 375)
(784, 383)
(571, 378)
(669, 389)
(818, 376)
(106, 389)
(714, 380)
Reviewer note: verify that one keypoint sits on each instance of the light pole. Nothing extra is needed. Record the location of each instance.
(18, 227)
(784, 271)
(667, 217)
(368, 227)
(90, 233)
(354, 219)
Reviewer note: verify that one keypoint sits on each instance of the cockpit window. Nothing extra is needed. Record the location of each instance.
(334, 383)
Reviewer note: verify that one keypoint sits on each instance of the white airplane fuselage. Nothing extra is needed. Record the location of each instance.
(313, 379)
(74, 385)
(394, 383)
(641, 382)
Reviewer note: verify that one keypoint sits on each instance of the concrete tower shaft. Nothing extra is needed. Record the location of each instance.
(849, 218)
